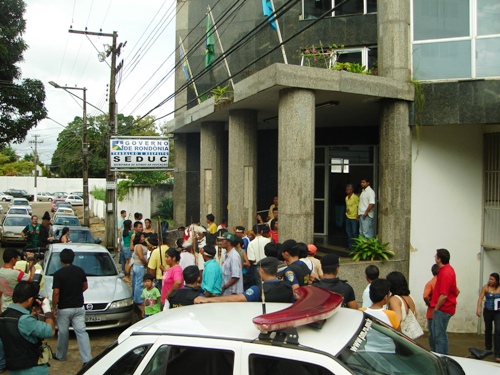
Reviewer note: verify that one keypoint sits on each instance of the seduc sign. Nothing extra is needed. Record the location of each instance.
(139, 153)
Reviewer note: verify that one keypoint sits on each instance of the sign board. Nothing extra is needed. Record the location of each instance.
(139, 152)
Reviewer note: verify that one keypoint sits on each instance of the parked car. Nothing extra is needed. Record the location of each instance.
(1, 209)
(64, 211)
(21, 202)
(238, 338)
(11, 228)
(75, 200)
(44, 197)
(61, 220)
(79, 193)
(60, 194)
(54, 202)
(5, 197)
(77, 234)
(108, 299)
(17, 210)
(18, 193)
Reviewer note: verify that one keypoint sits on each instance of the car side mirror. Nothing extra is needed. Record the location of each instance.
(98, 240)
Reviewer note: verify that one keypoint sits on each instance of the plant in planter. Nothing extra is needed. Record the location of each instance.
(351, 67)
(370, 249)
(221, 94)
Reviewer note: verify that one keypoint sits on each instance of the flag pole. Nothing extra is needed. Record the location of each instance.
(220, 43)
(185, 60)
(279, 35)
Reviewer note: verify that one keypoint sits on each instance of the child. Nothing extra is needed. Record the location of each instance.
(151, 296)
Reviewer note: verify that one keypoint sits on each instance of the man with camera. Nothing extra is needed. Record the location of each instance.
(31, 233)
(22, 332)
(29, 261)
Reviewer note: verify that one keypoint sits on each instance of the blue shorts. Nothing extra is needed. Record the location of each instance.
(126, 252)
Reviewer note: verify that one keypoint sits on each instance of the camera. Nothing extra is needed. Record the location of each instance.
(38, 254)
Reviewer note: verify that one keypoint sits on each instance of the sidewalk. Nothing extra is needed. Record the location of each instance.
(459, 344)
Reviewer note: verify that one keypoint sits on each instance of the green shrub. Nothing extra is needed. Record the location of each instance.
(165, 209)
(99, 193)
(370, 249)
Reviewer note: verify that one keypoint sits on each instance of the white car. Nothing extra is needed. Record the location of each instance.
(237, 338)
(64, 211)
(17, 210)
(75, 200)
(5, 197)
(44, 197)
(21, 202)
(108, 299)
(11, 228)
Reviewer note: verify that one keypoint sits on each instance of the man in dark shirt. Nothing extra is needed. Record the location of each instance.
(67, 303)
(186, 295)
(297, 273)
(330, 281)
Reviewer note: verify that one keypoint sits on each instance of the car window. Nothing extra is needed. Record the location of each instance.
(379, 349)
(67, 221)
(127, 364)
(80, 236)
(94, 264)
(181, 360)
(21, 211)
(17, 221)
(267, 365)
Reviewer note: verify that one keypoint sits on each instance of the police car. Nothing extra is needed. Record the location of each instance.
(312, 336)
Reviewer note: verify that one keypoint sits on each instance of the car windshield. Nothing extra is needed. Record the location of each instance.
(67, 221)
(81, 236)
(16, 221)
(379, 349)
(93, 263)
(21, 211)
(20, 203)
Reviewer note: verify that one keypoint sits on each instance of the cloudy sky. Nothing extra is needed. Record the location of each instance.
(54, 54)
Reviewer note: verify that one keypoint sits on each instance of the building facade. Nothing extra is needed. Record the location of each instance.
(301, 131)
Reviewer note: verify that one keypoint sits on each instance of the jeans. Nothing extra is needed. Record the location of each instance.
(137, 282)
(75, 316)
(432, 344)
(491, 316)
(351, 227)
(366, 226)
(439, 325)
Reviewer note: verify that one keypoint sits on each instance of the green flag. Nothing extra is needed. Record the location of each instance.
(210, 43)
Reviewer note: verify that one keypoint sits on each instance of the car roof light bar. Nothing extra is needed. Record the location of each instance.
(313, 304)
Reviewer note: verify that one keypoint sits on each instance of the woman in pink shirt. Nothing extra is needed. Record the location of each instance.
(172, 277)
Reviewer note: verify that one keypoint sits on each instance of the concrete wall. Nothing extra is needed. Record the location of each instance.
(49, 184)
(446, 212)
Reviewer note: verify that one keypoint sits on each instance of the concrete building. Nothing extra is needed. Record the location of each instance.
(302, 132)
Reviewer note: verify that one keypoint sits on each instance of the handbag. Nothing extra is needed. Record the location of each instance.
(410, 325)
(45, 354)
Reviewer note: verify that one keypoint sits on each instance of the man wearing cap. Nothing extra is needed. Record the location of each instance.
(330, 264)
(274, 290)
(240, 232)
(232, 269)
(297, 273)
(186, 295)
(211, 282)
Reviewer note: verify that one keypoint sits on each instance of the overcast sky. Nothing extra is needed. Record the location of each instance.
(148, 27)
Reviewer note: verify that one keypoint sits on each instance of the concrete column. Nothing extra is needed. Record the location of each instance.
(394, 209)
(242, 168)
(211, 171)
(296, 130)
(180, 177)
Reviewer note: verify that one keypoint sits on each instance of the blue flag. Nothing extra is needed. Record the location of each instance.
(267, 9)
(184, 62)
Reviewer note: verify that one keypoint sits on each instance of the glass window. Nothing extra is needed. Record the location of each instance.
(488, 16)
(352, 57)
(434, 19)
(488, 57)
(443, 60)
(351, 7)
(267, 365)
(372, 57)
(127, 364)
(315, 8)
(157, 364)
(319, 182)
(187, 360)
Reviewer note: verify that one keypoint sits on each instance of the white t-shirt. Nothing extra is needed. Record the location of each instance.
(255, 250)
(366, 198)
(367, 302)
(187, 259)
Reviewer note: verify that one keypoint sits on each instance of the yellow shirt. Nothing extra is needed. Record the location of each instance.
(155, 261)
(212, 228)
(351, 206)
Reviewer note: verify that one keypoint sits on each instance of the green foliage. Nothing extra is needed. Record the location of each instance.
(99, 194)
(351, 67)
(221, 92)
(319, 57)
(165, 209)
(21, 104)
(419, 104)
(370, 249)
(123, 189)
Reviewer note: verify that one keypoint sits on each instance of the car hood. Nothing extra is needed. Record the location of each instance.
(475, 366)
(13, 228)
(102, 289)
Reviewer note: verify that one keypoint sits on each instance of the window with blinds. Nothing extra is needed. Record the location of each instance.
(491, 229)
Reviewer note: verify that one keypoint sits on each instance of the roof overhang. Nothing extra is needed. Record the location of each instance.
(342, 98)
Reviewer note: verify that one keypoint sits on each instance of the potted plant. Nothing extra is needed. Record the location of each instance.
(370, 249)
(221, 94)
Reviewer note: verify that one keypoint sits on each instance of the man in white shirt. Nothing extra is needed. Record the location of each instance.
(255, 250)
(371, 274)
(365, 209)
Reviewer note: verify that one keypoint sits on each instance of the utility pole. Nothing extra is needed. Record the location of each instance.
(114, 51)
(35, 142)
(85, 151)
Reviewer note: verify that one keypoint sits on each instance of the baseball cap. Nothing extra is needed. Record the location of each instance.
(227, 236)
(330, 260)
(311, 249)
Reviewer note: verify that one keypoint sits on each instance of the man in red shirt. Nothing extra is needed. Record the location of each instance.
(444, 300)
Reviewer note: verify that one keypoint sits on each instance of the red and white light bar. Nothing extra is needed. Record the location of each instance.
(313, 304)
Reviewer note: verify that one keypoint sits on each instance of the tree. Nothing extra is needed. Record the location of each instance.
(21, 103)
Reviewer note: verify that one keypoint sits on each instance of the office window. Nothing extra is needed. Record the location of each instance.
(315, 8)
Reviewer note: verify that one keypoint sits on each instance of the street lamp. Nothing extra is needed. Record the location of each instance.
(85, 150)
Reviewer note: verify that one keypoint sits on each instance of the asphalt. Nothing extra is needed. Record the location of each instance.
(459, 344)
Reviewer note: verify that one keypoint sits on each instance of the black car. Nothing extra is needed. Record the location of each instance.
(18, 193)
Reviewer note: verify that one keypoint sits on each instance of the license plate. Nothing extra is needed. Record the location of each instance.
(92, 318)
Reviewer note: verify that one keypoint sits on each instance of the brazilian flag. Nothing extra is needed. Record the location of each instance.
(210, 43)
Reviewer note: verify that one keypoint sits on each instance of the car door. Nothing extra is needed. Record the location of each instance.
(275, 360)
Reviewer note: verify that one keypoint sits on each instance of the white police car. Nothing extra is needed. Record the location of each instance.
(231, 338)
